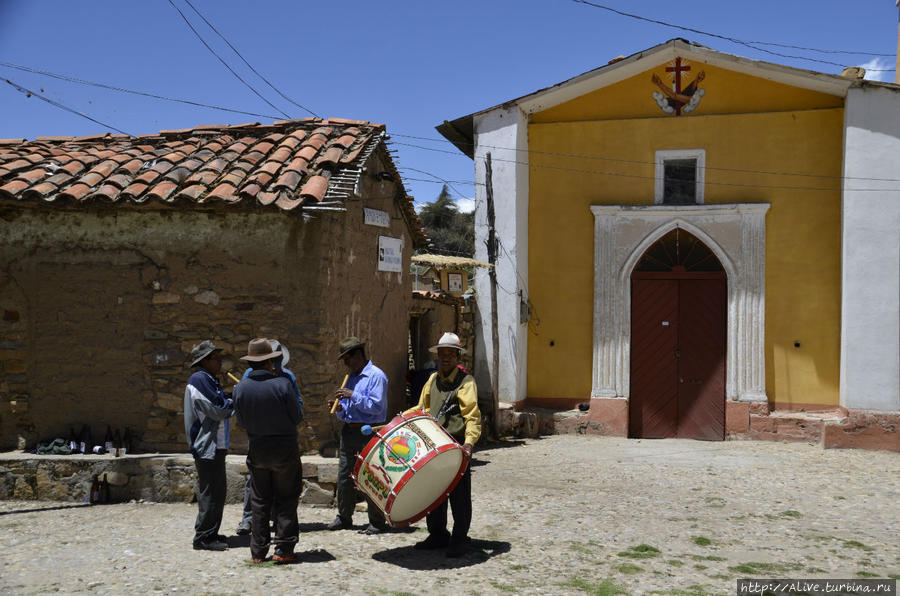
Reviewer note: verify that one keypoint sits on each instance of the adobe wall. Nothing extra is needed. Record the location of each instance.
(100, 309)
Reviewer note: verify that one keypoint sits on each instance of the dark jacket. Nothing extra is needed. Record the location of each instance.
(267, 406)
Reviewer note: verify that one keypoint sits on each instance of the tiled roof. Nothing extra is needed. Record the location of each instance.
(288, 165)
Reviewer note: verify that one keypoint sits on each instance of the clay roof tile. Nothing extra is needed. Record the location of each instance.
(315, 188)
(162, 190)
(287, 202)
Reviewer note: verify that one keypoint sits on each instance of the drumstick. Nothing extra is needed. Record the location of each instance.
(233, 378)
(335, 404)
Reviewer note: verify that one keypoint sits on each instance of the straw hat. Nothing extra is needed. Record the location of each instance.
(448, 340)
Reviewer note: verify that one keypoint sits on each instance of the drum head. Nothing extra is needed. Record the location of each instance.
(425, 489)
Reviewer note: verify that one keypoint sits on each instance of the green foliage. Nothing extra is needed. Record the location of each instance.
(450, 232)
(641, 551)
(604, 588)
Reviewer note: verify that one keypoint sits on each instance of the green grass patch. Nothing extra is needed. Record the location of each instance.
(579, 548)
(708, 558)
(894, 575)
(629, 568)
(815, 570)
(757, 568)
(694, 590)
(791, 513)
(518, 567)
(700, 567)
(701, 540)
(504, 587)
(605, 588)
(866, 574)
(675, 563)
(641, 551)
(858, 544)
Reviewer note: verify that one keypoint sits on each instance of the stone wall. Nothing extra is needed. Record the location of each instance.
(101, 308)
(159, 478)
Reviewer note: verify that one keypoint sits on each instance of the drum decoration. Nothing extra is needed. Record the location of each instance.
(409, 467)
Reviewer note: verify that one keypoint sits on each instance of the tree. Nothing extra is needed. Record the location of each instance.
(450, 232)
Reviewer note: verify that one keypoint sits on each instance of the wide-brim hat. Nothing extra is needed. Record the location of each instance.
(202, 350)
(260, 349)
(448, 340)
(348, 345)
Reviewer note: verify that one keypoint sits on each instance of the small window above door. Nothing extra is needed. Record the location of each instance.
(680, 177)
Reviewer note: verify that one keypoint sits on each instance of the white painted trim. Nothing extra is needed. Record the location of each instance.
(735, 233)
(700, 176)
(664, 53)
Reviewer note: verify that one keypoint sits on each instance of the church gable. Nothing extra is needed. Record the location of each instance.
(683, 87)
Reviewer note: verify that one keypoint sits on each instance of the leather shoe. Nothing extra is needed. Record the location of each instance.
(339, 524)
(283, 557)
(243, 529)
(372, 530)
(432, 542)
(211, 545)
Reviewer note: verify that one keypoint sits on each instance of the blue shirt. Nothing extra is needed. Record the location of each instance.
(368, 404)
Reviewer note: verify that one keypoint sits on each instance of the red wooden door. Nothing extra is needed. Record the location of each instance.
(701, 364)
(653, 412)
(678, 355)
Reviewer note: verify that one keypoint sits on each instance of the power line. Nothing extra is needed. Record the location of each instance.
(132, 91)
(225, 64)
(29, 93)
(715, 35)
(618, 174)
(234, 49)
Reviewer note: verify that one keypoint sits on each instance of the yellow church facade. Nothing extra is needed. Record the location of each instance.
(674, 224)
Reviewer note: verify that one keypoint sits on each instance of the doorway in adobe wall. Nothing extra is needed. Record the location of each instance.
(678, 341)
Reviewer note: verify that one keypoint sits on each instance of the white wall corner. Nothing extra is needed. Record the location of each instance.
(503, 133)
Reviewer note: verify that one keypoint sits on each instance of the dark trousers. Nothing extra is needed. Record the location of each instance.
(210, 496)
(460, 501)
(352, 442)
(275, 484)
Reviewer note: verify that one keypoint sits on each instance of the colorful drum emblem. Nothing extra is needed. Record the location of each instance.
(402, 449)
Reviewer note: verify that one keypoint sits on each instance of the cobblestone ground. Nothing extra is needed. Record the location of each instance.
(558, 515)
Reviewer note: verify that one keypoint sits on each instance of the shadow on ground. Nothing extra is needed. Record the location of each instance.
(39, 509)
(477, 551)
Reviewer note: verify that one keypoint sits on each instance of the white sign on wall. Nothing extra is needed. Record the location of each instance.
(390, 254)
(374, 217)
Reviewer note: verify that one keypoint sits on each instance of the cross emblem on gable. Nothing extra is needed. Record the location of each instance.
(676, 98)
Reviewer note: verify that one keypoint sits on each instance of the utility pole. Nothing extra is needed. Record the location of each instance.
(492, 272)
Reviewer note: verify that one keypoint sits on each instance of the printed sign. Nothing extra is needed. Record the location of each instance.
(374, 217)
(390, 254)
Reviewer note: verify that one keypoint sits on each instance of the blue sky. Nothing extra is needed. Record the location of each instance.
(407, 64)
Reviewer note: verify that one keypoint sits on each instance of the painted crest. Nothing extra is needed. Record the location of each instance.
(678, 98)
(401, 450)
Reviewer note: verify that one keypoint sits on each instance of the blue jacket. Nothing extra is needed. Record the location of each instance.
(206, 413)
(268, 408)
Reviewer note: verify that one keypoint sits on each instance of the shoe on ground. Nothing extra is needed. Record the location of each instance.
(222, 538)
(281, 556)
(372, 530)
(257, 561)
(218, 545)
(456, 550)
(339, 524)
(243, 529)
(432, 542)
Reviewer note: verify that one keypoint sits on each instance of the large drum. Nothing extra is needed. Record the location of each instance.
(409, 467)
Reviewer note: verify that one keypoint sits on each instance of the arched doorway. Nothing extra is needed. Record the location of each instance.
(678, 341)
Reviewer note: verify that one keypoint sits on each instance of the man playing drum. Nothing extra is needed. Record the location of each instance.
(361, 400)
(451, 397)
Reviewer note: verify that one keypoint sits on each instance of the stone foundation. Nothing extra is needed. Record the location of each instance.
(146, 477)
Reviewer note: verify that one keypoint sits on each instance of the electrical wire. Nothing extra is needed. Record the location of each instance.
(225, 64)
(123, 90)
(640, 177)
(250, 66)
(716, 35)
(29, 93)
